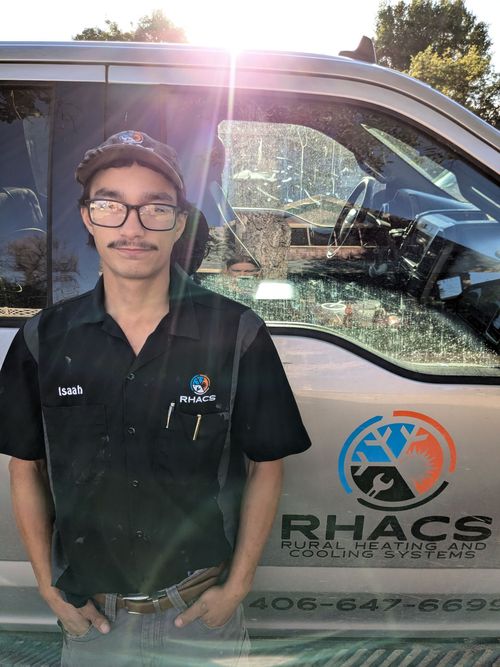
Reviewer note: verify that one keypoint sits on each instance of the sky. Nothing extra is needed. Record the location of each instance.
(315, 26)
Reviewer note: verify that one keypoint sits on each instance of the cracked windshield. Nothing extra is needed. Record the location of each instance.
(359, 225)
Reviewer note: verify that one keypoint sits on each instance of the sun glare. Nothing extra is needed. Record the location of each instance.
(238, 26)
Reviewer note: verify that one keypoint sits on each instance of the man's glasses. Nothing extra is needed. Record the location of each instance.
(111, 213)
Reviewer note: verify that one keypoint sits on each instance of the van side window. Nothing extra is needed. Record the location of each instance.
(364, 227)
(24, 137)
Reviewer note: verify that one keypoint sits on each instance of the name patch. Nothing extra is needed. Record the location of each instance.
(70, 391)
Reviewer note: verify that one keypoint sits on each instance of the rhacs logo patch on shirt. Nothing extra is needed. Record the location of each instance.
(199, 385)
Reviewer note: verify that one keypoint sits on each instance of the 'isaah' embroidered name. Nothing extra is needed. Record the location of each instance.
(69, 391)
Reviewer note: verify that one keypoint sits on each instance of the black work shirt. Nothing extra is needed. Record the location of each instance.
(145, 453)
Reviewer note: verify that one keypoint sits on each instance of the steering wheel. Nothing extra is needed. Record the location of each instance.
(353, 211)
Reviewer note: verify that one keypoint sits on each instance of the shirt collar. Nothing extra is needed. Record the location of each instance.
(181, 319)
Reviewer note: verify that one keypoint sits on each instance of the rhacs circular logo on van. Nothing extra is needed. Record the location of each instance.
(397, 463)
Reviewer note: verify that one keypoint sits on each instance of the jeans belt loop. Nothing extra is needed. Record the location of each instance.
(110, 606)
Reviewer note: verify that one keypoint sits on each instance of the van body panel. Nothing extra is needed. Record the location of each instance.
(29, 72)
(386, 318)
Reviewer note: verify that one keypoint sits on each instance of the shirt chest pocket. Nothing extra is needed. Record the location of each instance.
(190, 448)
(79, 445)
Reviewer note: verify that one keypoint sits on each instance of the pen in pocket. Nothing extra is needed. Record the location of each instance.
(197, 427)
(169, 414)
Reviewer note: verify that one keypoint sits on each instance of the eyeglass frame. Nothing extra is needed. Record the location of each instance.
(132, 207)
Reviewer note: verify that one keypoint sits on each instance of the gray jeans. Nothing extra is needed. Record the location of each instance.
(152, 640)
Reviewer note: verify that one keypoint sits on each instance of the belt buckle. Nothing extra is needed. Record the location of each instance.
(143, 598)
(135, 598)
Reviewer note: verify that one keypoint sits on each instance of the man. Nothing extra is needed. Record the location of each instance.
(244, 266)
(129, 413)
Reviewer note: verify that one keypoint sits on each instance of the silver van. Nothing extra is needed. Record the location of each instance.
(386, 315)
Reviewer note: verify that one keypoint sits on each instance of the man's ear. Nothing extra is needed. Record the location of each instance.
(86, 220)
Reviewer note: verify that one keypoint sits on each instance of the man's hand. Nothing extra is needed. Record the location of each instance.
(215, 607)
(217, 604)
(34, 512)
(76, 620)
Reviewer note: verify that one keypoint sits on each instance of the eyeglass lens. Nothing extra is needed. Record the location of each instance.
(108, 213)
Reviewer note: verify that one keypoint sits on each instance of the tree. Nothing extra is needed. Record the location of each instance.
(488, 99)
(21, 103)
(112, 34)
(407, 28)
(455, 76)
(29, 257)
(467, 79)
(157, 28)
(154, 28)
(442, 43)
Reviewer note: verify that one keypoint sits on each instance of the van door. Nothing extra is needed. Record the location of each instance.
(390, 341)
(44, 129)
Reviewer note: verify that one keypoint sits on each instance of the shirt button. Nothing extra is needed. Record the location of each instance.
(131, 376)
(135, 482)
(139, 534)
(131, 430)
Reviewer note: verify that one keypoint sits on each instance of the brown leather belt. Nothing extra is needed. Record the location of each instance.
(188, 590)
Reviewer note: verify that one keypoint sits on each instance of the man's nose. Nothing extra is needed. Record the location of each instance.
(132, 225)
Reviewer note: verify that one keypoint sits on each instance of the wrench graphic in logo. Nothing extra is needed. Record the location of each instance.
(379, 485)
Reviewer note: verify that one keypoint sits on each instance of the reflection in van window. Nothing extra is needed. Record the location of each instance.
(24, 136)
(364, 227)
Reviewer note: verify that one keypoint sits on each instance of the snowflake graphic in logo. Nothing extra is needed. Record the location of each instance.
(398, 463)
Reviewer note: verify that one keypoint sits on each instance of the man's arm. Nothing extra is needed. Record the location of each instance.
(33, 510)
(260, 501)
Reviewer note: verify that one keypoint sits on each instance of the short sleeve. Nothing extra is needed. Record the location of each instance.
(21, 433)
(266, 423)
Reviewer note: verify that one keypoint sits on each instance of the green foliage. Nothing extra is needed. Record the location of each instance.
(453, 74)
(487, 99)
(157, 28)
(154, 28)
(404, 29)
(468, 79)
(442, 43)
(112, 34)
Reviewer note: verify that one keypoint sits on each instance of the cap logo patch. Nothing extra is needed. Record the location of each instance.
(131, 137)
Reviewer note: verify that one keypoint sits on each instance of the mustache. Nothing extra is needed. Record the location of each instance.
(136, 244)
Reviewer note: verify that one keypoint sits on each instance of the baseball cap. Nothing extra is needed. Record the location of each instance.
(136, 145)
